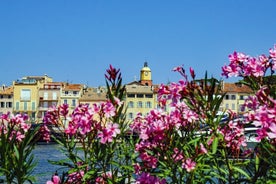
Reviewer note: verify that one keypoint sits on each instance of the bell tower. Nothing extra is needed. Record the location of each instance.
(145, 75)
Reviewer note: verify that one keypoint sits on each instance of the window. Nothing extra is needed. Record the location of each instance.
(75, 92)
(33, 115)
(17, 106)
(130, 115)
(226, 97)
(227, 106)
(131, 95)
(25, 106)
(73, 102)
(25, 95)
(140, 95)
(33, 106)
(45, 96)
(149, 95)
(9, 96)
(54, 96)
(65, 101)
(139, 104)
(2, 104)
(1, 96)
(241, 97)
(233, 97)
(130, 104)
(148, 104)
(45, 104)
(66, 92)
(9, 104)
(233, 106)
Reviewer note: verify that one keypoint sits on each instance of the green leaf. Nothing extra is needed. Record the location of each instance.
(16, 152)
(241, 171)
(257, 163)
(215, 145)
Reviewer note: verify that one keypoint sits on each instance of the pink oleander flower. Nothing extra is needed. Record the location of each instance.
(71, 129)
(177, 155)
(189, 165)
(192, 73)
(108, 133)
(64, 109)
(84, 125)
(254, 67)
(19, 136)
(146, 178)
(233, 134)
(52, 116)
(178, 69)
(105, 136)
(45, 133)
(230, 71)
(103, 179)
(55, 180)
(137, 168)
(203, 150)
(272, 134)
(113, 128)
(272, 53)
(75, 177)
(25, 127)
(237, 57)
(108, 109)
(118, 102)
(149, 161)
(112, 73)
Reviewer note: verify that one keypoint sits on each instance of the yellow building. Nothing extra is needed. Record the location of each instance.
(26, 94)
(140, 95)
(236, 94)
(70, 94)
(145, 75)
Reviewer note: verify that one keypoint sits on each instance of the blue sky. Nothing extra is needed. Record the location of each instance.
(75, 41)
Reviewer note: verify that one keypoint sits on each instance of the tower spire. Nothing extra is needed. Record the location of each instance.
(145, 64)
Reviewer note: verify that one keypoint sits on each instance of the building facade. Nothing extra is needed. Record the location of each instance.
(92, 96)
(235, 96)
(6, 99)
(49, 95)
(70, 94)
(140, 95)
(26, 95)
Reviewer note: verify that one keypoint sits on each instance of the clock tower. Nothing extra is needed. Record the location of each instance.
(145, 75)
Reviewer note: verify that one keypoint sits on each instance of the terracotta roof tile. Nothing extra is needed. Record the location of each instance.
(236, 88)
(6, 90)
(73, 87)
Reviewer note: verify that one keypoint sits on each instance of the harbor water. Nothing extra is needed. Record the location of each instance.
(44, 170)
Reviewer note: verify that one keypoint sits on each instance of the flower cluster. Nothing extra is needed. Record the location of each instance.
(16, 124)
(262, 115)
(242, 65)
(183, 140)
(17, 140)
(234, 135)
